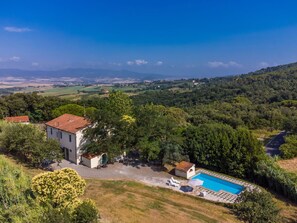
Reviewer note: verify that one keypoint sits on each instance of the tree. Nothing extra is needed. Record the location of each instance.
(29, 144)
(172, 153)
(119, 103)
(257, 207)
(73, 109)
(60, 188)
(113, 127)
(39, 108)
(221, 148)
(155, 125)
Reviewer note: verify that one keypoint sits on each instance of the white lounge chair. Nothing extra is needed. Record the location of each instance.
(174, 180)
(173, 184)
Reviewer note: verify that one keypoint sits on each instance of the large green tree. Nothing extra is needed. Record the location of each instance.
(113, 126)
(222, 148)
(73, 109)
(156, 125)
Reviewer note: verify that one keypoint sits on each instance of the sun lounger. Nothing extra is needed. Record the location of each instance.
(174, 180)
(171, 183)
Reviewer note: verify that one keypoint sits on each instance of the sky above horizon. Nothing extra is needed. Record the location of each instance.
(183, 38)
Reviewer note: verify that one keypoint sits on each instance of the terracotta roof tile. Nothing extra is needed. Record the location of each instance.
(184, 166)
(23, 118)
(69, 123)
(89, 155)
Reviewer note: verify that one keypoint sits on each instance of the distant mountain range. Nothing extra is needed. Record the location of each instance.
(80, 73)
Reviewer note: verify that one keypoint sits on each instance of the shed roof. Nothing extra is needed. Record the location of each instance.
(24, 118)
(69, 123)
(184, 166)
(90, 155)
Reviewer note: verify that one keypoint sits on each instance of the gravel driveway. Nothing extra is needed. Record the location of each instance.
(152, 175)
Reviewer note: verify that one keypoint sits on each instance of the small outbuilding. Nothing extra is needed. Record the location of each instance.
(185, 169)
(93, 160)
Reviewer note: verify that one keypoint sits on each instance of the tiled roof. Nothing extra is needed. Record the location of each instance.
(69, 123)
(184, 166)
(89, 155)
(23, 118)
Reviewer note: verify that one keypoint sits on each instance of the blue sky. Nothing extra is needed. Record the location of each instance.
(191, 37)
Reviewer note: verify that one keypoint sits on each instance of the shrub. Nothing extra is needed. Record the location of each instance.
(268, 174)
(289, 148)
(60, 188)
(256, 207)
(86, 212)
(16, 203)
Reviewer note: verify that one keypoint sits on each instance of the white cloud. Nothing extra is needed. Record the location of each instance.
(159, 63)
(137, 62)
(130, 62)
(17, 29)
(35, 64)
(15, 59)
(263, 64)
(140, 62)
(216, 64)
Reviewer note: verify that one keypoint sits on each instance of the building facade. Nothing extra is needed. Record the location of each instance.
(68, 131)
(185, 169)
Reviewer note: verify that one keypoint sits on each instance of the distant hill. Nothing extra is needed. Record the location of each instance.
(291, 67)
(83, 73)
(269, 85)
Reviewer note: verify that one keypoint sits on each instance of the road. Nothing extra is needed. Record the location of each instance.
(272, 147)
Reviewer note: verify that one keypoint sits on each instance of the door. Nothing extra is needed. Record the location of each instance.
(66, 153)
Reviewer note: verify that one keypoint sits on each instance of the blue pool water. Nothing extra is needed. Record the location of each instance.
(217, 184)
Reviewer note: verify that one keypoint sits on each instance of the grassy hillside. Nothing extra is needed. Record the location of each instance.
(127, 201)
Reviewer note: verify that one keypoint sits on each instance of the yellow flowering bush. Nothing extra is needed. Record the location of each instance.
(61, 188)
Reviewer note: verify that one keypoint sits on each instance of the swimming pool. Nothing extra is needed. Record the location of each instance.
(217, 184)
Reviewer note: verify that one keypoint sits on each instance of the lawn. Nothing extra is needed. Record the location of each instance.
(129, 201)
